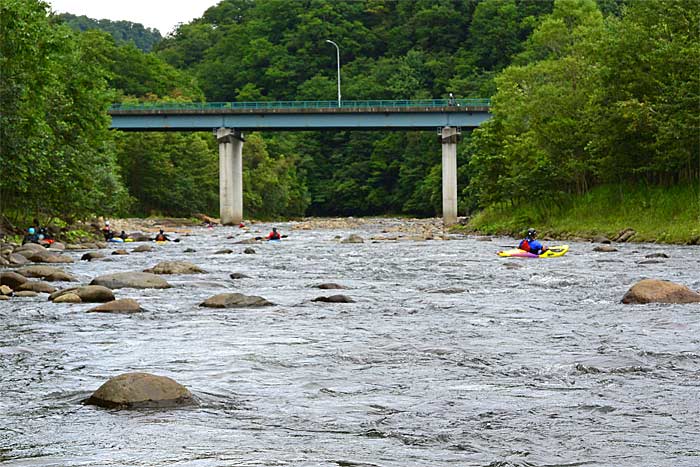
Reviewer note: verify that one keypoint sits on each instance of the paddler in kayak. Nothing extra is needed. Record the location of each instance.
(161, 237)
(274, 235)
(531, 244)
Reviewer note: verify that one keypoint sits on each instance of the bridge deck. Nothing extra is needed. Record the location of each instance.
(301, 115)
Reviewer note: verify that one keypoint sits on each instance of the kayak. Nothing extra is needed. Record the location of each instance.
(116, 240)
(552, 252)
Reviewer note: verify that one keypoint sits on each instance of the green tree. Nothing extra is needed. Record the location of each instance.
(56, 150)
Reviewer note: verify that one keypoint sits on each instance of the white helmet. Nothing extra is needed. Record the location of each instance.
(106, 222)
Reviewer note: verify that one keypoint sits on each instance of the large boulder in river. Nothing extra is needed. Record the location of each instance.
(234, 300)
(36, 286)
(46, 256)
(12, 279)
(87, 294)
(658, 291)
(124, 305)
(134, 280)
(175, 267)
(48, 273)
(16, 259)
(137, 390)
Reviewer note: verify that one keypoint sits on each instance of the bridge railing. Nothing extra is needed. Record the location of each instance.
(275, 105)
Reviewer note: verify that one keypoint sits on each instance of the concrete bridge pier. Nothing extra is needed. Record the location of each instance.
(230, 175)
(449, 136)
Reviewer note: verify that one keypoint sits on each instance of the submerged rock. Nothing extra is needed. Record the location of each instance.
(137, 390)
(330, 285)
(657, 255)
(605, 249)
(659, 291)
(353, 238)
(334, 299)
(175, 267)
(238, 275)
(235, 300)
(124, 305)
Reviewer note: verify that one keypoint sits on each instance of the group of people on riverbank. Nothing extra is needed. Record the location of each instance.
(38, 234)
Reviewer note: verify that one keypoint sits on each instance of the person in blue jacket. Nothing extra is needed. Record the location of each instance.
(531, 244)
(31, 237)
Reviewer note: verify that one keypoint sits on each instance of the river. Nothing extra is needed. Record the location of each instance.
(449, 356)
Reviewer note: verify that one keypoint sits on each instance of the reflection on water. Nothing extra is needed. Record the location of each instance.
(449, 356)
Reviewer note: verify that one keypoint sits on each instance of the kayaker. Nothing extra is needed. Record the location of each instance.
(530, 244)
(274, 235)
(161, 237)
(123, 235)
(107, 231)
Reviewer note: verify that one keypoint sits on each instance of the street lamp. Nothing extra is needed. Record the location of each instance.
(337, 49)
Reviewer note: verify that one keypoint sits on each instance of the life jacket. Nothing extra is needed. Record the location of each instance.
(160, 238)
(524, 245)
(274, 236)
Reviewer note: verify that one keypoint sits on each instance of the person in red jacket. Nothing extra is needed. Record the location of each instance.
(274, 235)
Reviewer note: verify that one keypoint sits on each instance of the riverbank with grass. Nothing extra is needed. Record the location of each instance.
(662, 215)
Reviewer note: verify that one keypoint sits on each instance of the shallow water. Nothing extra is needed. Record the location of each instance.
(450, 356)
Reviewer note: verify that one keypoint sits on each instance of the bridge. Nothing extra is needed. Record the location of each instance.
(228, 120)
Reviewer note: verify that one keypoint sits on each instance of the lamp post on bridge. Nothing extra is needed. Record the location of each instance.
(337, 49)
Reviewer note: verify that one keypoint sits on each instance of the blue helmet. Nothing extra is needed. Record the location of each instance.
(31, 230)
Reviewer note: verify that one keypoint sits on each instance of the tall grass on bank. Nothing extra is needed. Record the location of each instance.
(661, 214)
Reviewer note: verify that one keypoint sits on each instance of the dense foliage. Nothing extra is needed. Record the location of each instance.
(122, 31)
(584, 93)
(55, 145)
(595, 100)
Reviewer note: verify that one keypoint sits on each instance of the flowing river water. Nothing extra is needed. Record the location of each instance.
(449, 356)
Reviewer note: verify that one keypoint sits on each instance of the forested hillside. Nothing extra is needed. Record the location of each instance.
(584, 94)
(277, 50)
(122, 31)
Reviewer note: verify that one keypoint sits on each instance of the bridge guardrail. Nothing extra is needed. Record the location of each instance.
(275, 105)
